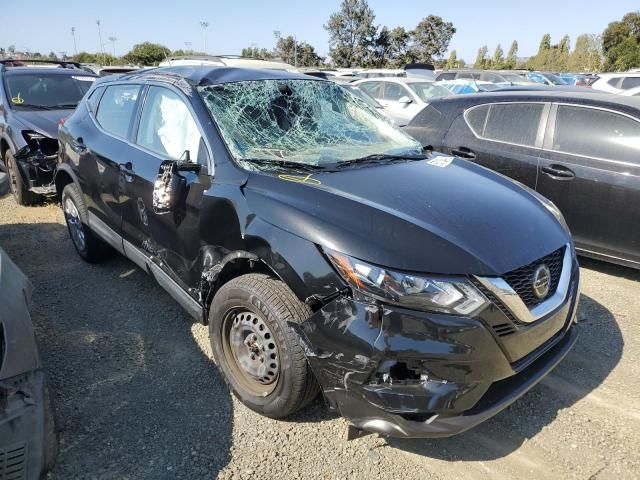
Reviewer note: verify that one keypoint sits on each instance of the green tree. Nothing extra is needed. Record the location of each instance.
(512, 56)
(587, 54)
(498, 58)
(147, 53)
(565, 45)
(481, 57)
(380, 55)
(545, 43)
(351, 33)
(85, 57)
(452, 61)
(285, 49)
(307, 56)
(621, 43)
(399, 48)
(431, 38)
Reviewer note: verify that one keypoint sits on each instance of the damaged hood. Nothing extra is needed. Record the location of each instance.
(42, 121)
(451, 218)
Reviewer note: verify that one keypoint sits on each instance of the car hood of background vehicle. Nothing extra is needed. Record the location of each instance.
(42, 121)
(457, 219)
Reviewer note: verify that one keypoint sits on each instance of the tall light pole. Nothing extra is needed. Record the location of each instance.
(204, 26)
(100, 37)
(73, 34)
(113, 44)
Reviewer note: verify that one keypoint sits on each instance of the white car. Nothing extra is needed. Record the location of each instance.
(617, 82)
(401, 97)
(632, 92)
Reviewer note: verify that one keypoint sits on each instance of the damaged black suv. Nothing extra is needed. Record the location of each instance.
(34, 97)
(325, 249)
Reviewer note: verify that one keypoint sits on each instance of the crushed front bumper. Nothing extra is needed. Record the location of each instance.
(37, 170)
(406, 373)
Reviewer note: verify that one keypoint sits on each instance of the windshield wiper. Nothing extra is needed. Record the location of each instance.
(286, 164)
(380, 158)
(62, 106)
(31, 105)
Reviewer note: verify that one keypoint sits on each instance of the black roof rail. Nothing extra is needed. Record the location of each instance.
(21, 62)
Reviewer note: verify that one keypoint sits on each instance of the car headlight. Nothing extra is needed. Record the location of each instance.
(430, 293)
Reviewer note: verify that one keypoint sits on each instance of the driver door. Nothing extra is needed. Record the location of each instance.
(167, 130)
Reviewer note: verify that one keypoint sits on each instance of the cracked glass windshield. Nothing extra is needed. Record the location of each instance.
(307, 122)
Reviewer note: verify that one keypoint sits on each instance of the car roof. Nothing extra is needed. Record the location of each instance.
(586, 98)
(395, 80)
(212, 75)
(42, 69)
(618, 74)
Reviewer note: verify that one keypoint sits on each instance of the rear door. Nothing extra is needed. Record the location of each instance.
(591, 170)
(100, 146)
(167, 130)
(505, 137)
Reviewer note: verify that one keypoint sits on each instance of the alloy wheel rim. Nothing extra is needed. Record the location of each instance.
(251, 351)
(74, 223)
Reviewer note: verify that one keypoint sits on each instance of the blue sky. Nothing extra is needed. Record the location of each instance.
(45, 25)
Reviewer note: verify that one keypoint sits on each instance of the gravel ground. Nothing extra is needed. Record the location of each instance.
(138, 395)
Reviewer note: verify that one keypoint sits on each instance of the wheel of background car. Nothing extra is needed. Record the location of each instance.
(88, 245)
(256, 350)
(19, 189)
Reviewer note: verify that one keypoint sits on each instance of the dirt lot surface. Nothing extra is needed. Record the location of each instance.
(138, 396)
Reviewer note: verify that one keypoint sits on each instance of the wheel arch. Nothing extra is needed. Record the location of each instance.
(63, 177)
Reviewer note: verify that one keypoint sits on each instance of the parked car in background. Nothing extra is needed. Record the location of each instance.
(574, 79)
(323, 247)
(401, 98)
(32, 103)
(547, 78)
(381, 72)
(226, 61)
(579, 150)
(28, 438)
(462, 86)
(425, 71)
(333, 75)
(632, 92)
(501, 77)
(616, 82)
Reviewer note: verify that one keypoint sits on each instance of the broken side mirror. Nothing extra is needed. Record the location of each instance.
(168, 188)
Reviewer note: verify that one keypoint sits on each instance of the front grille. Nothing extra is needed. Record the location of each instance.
(12, 463)
(521, 279)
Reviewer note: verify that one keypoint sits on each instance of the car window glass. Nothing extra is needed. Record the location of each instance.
(513, 122)
(447, 76)
(394, 91)
(167, 126)
(597, 133)
(491, 77)
(93, 99)
(614, 81)
(476, 118)
(630, 82)
(464, 75)
(371, 88)
(115, 111)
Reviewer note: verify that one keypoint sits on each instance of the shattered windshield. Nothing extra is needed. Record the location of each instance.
(306, 122)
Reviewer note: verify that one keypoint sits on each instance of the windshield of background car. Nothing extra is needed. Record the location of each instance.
(39, 89)
(427, 90)
(304, 121)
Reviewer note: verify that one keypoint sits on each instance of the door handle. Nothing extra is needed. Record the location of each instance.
(559, 172)
(463, 152)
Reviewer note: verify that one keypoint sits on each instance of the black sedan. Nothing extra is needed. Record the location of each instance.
(581, 151)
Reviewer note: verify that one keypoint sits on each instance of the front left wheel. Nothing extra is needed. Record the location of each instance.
(258, 353)
(19, 188)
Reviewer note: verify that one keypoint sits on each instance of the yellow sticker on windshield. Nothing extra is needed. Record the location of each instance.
(18, 100)
(300, 179)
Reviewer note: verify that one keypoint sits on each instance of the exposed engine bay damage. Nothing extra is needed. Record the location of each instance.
(307, 122)
(37, 161)
(402, 373)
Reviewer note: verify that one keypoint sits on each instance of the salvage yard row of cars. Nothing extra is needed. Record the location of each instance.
(418, 277)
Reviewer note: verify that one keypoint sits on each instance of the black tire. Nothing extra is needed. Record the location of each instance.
(275, 304)
(19, 189)
(88, 245)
